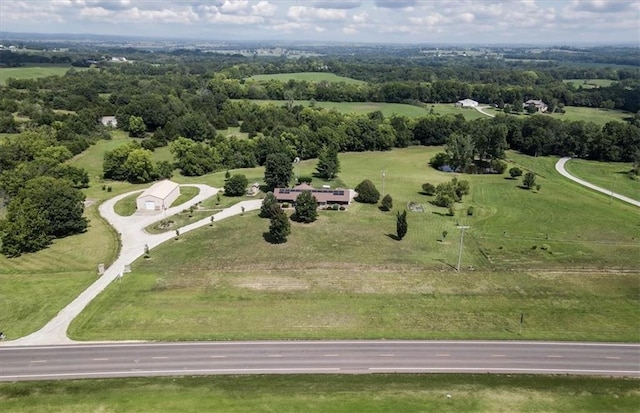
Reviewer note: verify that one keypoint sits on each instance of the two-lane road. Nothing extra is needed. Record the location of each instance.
(302, 357)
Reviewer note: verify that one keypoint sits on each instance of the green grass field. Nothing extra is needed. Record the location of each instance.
(345, 277)
(34, 287)
(33, 72)
(308, 76)
(387, 109)
(589, 83)
(609, 175)
(126, 206)
(595, 115)
(327, 394)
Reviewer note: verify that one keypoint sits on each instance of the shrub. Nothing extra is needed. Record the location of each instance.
(236, 185)
(305, 180)
(387, 203)
(428, 189)
(515, 172)
(441, 159)
(367, 192)
(470, 211)
(306, 207)
(342, 208)
(498, 166)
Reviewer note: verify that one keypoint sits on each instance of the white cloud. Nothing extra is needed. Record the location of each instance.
(311, 13)
(263, 8)
(234, 6)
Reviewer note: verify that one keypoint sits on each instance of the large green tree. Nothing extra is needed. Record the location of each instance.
(279, 227)
(328, 163)
(278, 171)
(139, 166)
(45, 208)
(306, 207)
(460, 148)
(236, 185)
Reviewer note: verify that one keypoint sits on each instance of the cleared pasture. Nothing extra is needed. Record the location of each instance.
(308, 76)
(33, 72)
(345, 276)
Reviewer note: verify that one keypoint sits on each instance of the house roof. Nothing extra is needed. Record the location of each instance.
(468, 102)
(535, 102)
(160, 189)
(323, 196)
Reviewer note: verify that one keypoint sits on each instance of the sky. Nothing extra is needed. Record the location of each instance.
(359, 21)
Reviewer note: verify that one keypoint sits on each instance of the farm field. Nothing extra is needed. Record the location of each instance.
(595, 115)
(609, 175)
(308, 76)
(387, 109)
(589, 83)
(350, 279)
(327, 393)
(33, 72)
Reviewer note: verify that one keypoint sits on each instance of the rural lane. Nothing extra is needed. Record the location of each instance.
(560, 167)
(133, 239)
(309, 357)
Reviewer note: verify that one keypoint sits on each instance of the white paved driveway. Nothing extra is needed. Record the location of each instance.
(133, 238)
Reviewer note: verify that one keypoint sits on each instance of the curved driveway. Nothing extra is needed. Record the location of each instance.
(133, 240)
(561, 169)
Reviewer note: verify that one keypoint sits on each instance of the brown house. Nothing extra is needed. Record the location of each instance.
(323, 196)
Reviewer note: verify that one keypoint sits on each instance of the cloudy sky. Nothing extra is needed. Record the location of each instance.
(389, 21)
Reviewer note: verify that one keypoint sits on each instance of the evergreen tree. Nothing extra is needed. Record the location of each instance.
(306, 207)
(279, 227)
(401, 224)
(367, 192)
(278, 170)
(387, 203)
(328, 163)
(269, 205)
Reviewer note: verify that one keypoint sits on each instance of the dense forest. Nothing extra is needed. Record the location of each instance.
(183, 99)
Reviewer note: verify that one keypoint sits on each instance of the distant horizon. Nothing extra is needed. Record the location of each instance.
(487, 22)
(69, 36)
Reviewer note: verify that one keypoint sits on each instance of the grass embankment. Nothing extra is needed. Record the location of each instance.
(308, 76)
(327, 393)
(127, 205)
(608, 175)
(34, 287)
(344, 276)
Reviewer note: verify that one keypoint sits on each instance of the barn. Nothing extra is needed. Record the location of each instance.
(158, 196)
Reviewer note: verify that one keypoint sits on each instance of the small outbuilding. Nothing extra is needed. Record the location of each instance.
(467, 103)
(158, 196)
(110, 121)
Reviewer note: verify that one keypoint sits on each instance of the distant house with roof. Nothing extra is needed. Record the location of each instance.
(109, 121)
(538, 104)
(324, 196)
(158, 196)
(466, 103)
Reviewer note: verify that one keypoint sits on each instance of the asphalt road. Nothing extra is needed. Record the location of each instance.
(302, 357)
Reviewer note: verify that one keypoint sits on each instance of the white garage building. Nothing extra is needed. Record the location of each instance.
(158, 196)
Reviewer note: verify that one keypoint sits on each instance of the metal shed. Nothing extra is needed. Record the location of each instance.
(158, 196)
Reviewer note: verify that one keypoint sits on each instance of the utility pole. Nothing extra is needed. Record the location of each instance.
(612, 188)
(461, 227)
(384, 174)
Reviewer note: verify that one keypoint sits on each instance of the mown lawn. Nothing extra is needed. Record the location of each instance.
(308, 76)
(547, 254)
(327, 394)
(589, 83)
(608, 175)
(33, 72)
(595, 115)
(127, 205)
(387, 109)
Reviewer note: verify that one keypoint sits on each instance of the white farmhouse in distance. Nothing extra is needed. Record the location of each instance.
(467, 103)
(158, 196)
(109, 121)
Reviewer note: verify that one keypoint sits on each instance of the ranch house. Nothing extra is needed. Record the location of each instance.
(158, 196)
(324, 196)
(466, 103)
